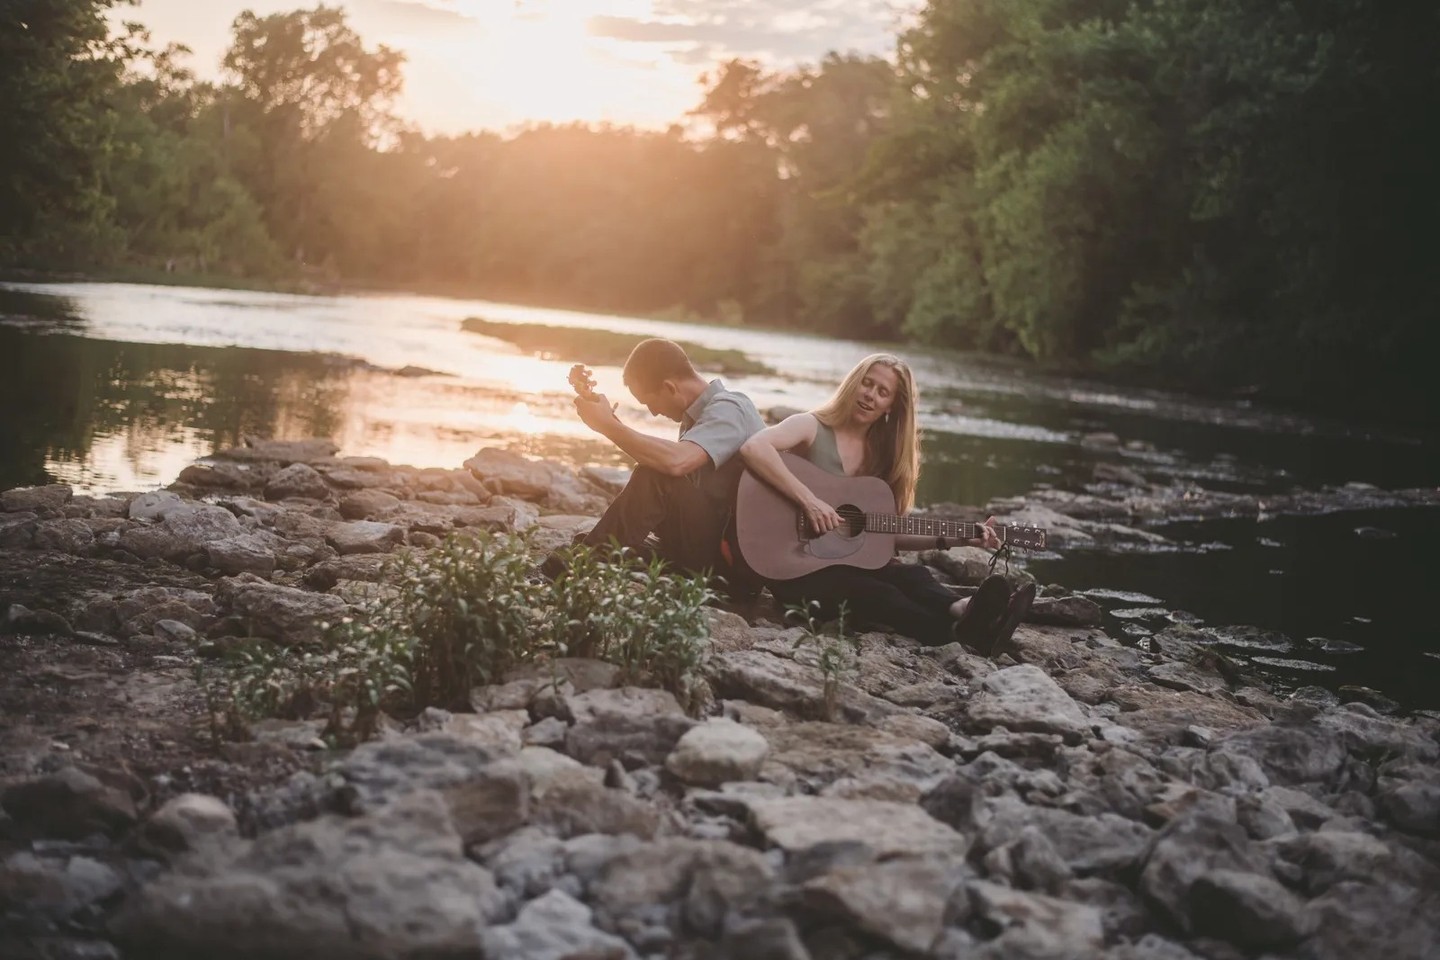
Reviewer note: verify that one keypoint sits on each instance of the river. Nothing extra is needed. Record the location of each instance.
(112, 387)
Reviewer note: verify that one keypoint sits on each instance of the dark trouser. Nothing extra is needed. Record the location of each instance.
(687, 521)
(903, 596)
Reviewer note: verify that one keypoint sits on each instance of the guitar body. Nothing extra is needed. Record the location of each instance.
(778, 544)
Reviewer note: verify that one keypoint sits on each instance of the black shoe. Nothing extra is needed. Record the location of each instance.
(1018, 608)
(982, 615)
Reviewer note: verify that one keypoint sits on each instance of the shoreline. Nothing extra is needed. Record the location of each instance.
(1075, 798)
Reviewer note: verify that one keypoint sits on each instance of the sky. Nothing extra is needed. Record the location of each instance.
(497, 64)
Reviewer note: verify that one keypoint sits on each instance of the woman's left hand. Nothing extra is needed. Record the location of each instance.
(989, 539)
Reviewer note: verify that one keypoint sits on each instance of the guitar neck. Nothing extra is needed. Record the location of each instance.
(926, 527)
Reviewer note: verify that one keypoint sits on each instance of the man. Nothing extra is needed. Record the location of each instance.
(682, 490)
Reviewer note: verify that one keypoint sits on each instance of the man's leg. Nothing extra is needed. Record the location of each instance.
(637, 512)
(687, 521)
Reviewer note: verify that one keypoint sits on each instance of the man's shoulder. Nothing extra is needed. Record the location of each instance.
(735, 398)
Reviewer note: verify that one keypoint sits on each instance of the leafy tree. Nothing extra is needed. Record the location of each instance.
(58, 66)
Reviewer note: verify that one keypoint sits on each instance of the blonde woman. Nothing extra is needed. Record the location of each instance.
(868, 428)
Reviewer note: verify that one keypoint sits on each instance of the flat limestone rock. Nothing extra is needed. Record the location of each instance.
(1024, 698)
(888, 828)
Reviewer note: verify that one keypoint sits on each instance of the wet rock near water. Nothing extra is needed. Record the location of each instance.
(1078, 797)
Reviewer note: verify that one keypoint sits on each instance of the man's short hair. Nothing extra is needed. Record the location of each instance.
(654, 361)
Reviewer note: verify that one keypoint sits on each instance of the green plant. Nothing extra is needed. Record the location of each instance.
(643, 617)
(460, 616)
(838, 656)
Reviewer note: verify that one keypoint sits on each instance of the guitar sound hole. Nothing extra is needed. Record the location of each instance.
(854, 519)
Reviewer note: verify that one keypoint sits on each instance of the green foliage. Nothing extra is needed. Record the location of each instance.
(1200, 192)
(643, 617)
(462, 616)
(838, 654)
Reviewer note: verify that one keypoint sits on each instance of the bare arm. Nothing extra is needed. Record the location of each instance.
(674, 458)
(761, 454)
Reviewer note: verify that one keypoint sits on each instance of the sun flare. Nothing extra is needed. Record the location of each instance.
(539, 62)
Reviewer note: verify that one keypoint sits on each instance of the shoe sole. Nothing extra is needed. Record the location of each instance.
(1019, 607)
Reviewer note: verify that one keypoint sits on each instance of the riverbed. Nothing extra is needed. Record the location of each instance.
(112, 387)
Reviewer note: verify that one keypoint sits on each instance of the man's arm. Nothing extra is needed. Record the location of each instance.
(674, 458)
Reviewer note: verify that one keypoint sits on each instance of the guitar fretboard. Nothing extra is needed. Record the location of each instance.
(927, 527)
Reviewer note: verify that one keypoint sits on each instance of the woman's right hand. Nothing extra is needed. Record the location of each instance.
(821, 515)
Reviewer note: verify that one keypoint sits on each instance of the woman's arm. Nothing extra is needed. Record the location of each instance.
(761, 454)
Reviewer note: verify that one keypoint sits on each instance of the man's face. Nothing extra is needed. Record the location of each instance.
(662, 400)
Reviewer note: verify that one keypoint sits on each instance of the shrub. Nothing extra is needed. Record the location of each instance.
(461, 616)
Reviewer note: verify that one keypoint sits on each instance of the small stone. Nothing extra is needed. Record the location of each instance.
(175, 631)
(190, 821)
(1247, 909)
(717, 751)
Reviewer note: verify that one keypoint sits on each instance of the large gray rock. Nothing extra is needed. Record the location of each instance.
(364, 536)
(1187, 849)
(1100, 843)
(901, 901)
(555, 926)
(1066, 611)
(1247, 909)
(763, 678)
(70, 804)
(889, 829)
(506, 472)
(1036, 926)
(392, 885)
(631, 724)
(297, 480)
(63, 536)
(846, 760)
(154, 505)
(55, 888)
(182, 531)
(47, 501)
(285, 614)
(368, 505)
(1290, 754)
(246, 553)
(1024, 698)
(717, 751)
(697, 883)
(379, 770)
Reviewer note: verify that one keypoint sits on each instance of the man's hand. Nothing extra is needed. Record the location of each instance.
(598, 414)
(988, 538)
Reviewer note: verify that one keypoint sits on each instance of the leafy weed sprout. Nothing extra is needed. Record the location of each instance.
(462, 616)
(839, 655)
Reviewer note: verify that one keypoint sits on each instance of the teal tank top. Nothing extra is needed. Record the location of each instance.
(824, 452)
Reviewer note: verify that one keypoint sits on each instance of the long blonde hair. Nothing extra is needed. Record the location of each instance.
(892, 446)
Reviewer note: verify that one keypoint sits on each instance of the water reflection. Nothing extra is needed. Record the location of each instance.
(114, 387)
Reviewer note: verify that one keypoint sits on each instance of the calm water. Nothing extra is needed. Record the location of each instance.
(117, 387)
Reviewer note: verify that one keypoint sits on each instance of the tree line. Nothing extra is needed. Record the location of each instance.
(1214, 193)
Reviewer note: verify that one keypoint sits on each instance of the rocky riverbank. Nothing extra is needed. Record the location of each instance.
(1079, 797)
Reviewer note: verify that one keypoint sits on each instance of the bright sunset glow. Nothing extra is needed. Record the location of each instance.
(497, 64)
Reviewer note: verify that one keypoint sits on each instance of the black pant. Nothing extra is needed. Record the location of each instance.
(903, 596)
(687, 519)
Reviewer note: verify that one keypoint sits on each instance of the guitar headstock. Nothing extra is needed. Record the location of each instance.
(582, 382)
(1029, 538)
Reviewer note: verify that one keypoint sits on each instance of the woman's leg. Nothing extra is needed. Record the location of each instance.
(879, 596)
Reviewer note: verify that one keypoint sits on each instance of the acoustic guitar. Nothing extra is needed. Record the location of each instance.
(777, 542)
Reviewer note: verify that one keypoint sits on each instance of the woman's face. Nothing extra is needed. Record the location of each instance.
(877, 393)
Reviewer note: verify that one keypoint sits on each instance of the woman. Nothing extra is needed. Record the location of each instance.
(868, 428)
